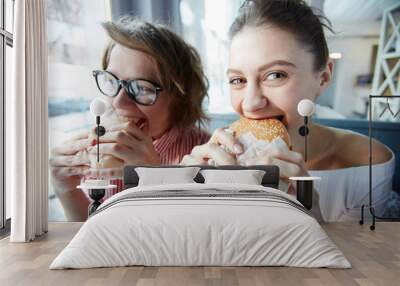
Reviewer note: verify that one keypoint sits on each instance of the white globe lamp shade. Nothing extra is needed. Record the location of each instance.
(98, 107)
(306, 107)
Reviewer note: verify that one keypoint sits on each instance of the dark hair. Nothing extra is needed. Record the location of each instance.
(294, 16)
(179, 65)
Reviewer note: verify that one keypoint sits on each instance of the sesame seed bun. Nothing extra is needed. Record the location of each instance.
(262, 129)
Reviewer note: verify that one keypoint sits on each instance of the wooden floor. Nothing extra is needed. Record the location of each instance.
(374, 255)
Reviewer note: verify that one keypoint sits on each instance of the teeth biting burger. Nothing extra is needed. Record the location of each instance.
(261, 129)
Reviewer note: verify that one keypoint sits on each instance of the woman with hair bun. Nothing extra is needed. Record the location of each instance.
(278, 57)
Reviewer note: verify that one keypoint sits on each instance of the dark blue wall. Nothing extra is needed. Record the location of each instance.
(386, 132)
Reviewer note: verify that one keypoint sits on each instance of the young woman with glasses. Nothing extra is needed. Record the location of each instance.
(155, 83)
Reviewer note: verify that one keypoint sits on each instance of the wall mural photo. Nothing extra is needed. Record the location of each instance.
(133, 83)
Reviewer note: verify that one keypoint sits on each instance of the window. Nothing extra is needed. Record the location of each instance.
(76, 41)
(6, 43)
(206, 28)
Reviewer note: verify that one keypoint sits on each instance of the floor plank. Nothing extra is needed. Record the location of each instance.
(374, 255)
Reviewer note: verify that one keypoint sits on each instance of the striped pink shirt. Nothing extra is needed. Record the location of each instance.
(175, 144)
(171, 147)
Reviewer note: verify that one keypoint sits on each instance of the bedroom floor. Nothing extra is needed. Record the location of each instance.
(374, 255)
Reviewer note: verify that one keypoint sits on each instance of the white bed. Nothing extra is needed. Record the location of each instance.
(201, 224)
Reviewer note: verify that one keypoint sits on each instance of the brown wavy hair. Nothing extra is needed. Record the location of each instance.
(179, 65)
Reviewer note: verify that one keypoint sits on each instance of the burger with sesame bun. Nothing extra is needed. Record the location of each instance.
(262, 129)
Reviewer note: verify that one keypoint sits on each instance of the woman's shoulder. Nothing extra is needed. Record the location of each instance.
(352, 149)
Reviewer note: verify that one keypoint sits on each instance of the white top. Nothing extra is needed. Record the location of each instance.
(85, 187)
(95, 183)
(343, 191)
(307, 178)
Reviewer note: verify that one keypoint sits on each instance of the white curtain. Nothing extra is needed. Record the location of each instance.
(26, 119)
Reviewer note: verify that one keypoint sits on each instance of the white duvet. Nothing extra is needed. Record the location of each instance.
(184, 230)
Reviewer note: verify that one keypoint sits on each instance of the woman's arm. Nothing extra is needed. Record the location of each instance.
(68, 164)
(75, 205)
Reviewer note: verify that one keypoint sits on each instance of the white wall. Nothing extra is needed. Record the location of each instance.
(355, 42)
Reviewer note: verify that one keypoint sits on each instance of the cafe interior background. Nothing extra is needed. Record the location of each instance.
(76, 42)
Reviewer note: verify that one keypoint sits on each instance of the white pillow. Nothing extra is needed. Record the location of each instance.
(248, 177)
(162, 176)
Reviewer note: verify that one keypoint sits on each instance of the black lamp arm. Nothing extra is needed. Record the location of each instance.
(100, 131)
(303, 131)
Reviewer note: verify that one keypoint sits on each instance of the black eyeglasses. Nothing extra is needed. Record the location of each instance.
(142, 91)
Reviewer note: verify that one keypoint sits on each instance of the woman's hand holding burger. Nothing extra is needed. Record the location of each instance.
(221, 149)
(126, 144)
(69, 162)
